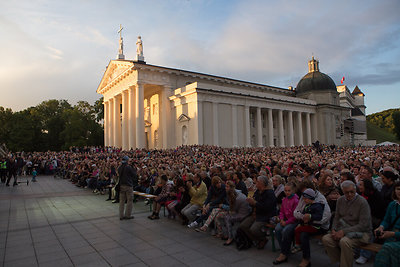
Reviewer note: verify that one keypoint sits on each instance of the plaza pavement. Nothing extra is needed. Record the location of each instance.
(54, 223)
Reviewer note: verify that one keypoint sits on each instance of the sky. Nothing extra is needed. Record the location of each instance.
(51, 49)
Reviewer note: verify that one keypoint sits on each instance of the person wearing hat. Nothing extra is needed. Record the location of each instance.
(299, 214)
(127, 177)
(309, 225)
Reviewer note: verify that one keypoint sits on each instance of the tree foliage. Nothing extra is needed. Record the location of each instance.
(384, 119)
(51, 125)
(396, 122)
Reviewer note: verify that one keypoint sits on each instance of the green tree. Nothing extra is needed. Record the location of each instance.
(52, 121)
(25, 132)
(396, 123)
(383, 119)
(81, 128)
(52, 125)
(6, 118)
(99, 109)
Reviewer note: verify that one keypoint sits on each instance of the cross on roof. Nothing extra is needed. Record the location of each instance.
(120, 30)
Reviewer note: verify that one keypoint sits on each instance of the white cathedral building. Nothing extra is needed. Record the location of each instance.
(155, 107)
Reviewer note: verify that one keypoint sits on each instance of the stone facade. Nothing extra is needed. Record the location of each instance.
(148, 106)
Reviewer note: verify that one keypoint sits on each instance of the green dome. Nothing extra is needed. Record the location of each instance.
(315, 81)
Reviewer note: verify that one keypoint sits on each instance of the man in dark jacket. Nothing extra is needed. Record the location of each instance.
(12, 171)
(264, 208)
(127, 177)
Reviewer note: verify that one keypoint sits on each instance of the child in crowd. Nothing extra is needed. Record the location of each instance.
(34, 174)
(176, 196)
(287, 221)
(313, 212)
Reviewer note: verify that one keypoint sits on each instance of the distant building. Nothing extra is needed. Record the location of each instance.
(149, 106)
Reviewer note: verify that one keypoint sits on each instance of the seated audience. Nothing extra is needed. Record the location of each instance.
(240, 185)
(287, 222)
(351, 226)
(309, 225)
(279, 188)
(264, 208)
(162, 197)
(389, 230)
(388, 178)
(198, 194)
(328, 188)
(239, 209)
(215, 198)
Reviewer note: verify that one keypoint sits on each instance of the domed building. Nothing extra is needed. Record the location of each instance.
(150, 106)
(340, 114)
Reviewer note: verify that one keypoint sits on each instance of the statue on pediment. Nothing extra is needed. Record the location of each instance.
(139, 50)
(139, 47)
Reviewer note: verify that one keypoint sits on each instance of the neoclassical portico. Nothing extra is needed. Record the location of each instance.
(148, 114)
(149, 106)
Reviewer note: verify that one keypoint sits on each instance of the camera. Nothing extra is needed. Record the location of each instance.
(379, 233)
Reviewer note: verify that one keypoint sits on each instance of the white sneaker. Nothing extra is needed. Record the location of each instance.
(193, 224)
(361, 260)
(295, 249)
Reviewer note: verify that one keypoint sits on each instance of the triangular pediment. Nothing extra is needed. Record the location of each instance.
(183, 118)
(114, 69)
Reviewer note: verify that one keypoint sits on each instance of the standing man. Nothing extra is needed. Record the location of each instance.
(3, 170)
(351, 227)
(127, 177)
(12, 171)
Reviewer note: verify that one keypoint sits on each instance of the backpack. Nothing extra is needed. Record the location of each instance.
(242, 240)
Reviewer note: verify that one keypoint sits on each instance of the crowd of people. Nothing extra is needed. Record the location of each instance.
(350, 195)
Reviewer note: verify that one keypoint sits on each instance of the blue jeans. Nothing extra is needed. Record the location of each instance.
(305, 242)
(285, 237)
(365, 253)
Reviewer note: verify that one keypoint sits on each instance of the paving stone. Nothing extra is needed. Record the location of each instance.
(80, 250)
(51, 256)
(188, 256)
(122, 259)
(25, 262)
(54, 223)
(163, 261)
(149, 253)
(64, 262)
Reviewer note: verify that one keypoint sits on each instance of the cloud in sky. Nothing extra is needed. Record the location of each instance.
(58, 49)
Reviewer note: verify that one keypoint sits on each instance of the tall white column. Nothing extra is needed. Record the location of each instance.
(308, 129)
(270, 128)
(117, 122)
(109, 123)
(200, 139)
(247, 126)
(106, 126)
(281, 133)
(215, 124)
(165, 115)
(111, 116)
(132, 118)
(234, 126)
(125, 120)
(290, 128)
(299, 129)
(259, 127)
(139, 106)
(314, 127)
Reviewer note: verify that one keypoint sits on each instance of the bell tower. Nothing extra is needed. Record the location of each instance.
(313, 65)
